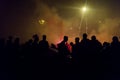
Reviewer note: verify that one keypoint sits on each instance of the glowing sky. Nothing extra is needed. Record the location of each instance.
(56, 18)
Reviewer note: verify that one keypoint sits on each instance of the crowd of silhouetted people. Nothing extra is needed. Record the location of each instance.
(83, 59)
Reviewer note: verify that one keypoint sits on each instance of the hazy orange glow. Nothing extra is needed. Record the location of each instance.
(56, 19)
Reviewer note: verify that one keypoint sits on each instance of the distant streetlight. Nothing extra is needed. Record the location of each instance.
(84, 9)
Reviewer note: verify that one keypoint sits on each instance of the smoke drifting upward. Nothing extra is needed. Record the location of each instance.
(108, 29)
(38, 17)
(52, 25)
(56, 27)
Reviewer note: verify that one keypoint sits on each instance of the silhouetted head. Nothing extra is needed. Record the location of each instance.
(35, 37)
(77, 40)
(44, 37)
(65, 38)
(93, 38)
(115, 39)
(84, 36)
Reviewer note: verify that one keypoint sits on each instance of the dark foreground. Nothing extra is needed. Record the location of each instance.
(87, 60)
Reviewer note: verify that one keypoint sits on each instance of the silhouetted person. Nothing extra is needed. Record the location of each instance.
(85, 52)
(115, 42)
(95, 45)
(115, 50)
(94, 51)
(85, 42)
(43, 44)
(115, 45)
(36, 40)
(63, 48)
(35, 44)
(35, 52)
(27, 48)
(77, 45)
(76, 50)
(44, 49)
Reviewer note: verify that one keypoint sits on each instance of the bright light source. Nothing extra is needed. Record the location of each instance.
(84, 9)
(41, 21)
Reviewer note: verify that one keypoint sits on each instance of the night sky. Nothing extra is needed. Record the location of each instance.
(61, 17)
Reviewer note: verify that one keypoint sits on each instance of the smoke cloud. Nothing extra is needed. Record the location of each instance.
(108, 29)
(27, 22)
(56, 26)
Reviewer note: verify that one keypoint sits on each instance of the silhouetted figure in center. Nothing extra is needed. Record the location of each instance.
(85, 52)
(63, 48)
(76, 48)
(85, 43)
